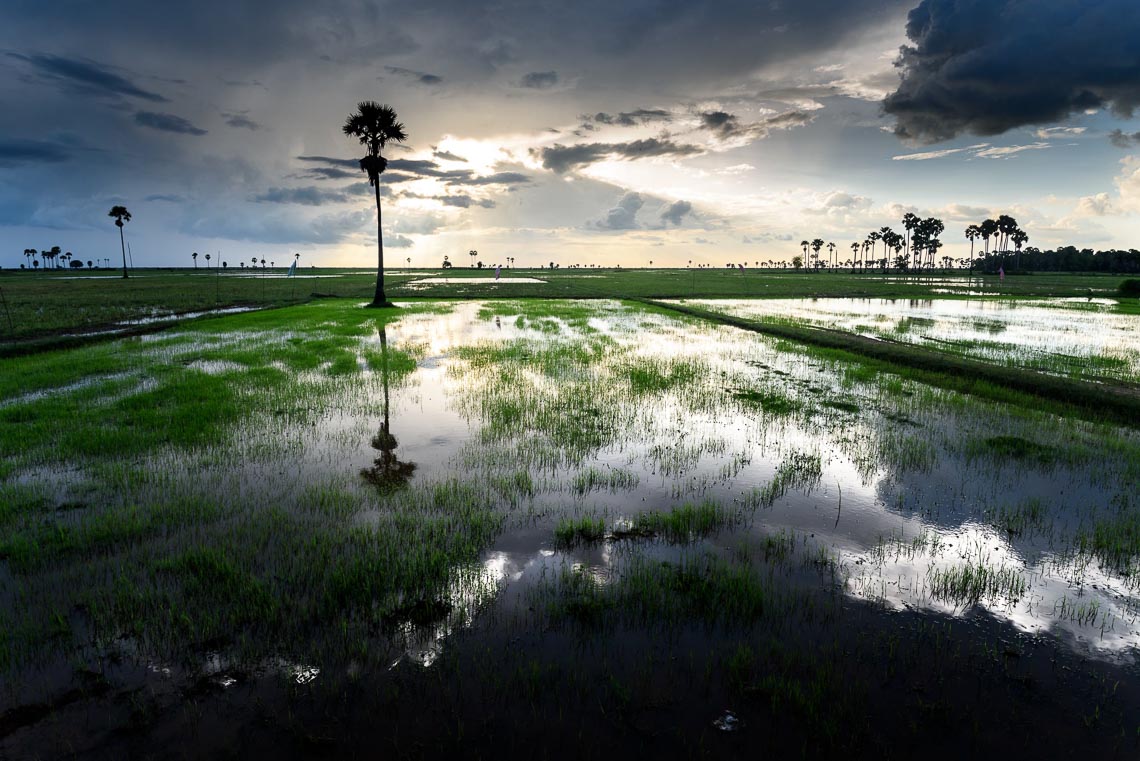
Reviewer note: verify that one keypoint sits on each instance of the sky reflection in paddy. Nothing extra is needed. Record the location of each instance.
(882, 483)
(1056, 335)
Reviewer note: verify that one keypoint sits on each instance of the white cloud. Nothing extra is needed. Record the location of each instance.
(1010, 150)
(1048, 133)
(927, 155)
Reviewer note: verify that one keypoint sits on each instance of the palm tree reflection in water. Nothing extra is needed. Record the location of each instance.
(388, 473)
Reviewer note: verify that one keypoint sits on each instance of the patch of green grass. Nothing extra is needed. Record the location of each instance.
(1115, 540)
(798, 470)
(609, 479)
(654, 376)
(684, 523)
(573, 531)
(975, 581)
(771, 401)
(1012, 448)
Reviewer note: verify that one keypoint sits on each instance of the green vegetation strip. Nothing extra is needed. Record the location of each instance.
(1119, 402)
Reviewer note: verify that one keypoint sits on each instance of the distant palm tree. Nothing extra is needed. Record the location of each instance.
(375, 125)
(473, 253)
(909, 222)
(29, 253)
(831, 254)
(989, 228)
(121, 215)
(816, 245)
(1006, 225)
(207, 261)
(1019, 238)
(194, 256)
(973, 232)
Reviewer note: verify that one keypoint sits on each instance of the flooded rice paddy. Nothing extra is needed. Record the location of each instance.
(327, 529)
(1083, 337)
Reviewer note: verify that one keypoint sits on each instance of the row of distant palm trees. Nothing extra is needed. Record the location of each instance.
(1004, 230)
(916, 248)
(55, 256)
(225, 265)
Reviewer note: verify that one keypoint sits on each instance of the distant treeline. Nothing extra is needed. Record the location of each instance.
(1063, 259)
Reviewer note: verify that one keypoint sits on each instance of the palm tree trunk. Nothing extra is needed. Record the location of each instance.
(123, 246)
(379, 300)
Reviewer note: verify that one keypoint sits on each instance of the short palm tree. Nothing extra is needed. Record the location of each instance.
(121, 215)
(375, 125)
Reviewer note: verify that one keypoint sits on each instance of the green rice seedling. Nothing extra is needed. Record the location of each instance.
(1021, 518)
(1003, 448)
(771, 401)
(975, 581)
(573, 531)
(609, 479)
(684, 523)
(798, 470)
(656, 375)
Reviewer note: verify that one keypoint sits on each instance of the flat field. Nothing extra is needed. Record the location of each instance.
(484, 521)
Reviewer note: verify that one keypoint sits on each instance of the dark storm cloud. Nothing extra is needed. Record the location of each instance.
(419, 77)
(241, 121)
(328, 173)
(458, 200)
(17, 152)
(406, 170)
(446, 156)
(563, 158)
(725, 125)
(83, 75)
(675, 212)
(1122, 139)
(652, 42)
(987, 66)
(428, 168)
(633, 118)
(306, 196)
(720, 122)
(167, 123)
(539, 80)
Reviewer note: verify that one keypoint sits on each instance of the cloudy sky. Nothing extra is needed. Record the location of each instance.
(588, 132)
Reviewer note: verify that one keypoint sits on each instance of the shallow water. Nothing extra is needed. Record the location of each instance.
(1081, 337)
(874, 487)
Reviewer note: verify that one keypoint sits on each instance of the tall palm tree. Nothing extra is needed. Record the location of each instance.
(1006, 225)
(194, 256)
(909, 223)
(989, 228)
(121, 215)
(1019, 238)
(854, 256)
(831, 254)
(973, 232)
(816, 245)
(375, 125)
